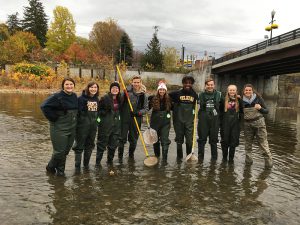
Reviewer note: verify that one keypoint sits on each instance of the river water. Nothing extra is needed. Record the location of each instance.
(205, 193)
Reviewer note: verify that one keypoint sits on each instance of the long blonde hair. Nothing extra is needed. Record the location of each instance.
(227, 99)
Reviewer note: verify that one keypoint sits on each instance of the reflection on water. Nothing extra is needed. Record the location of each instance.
(208, 193)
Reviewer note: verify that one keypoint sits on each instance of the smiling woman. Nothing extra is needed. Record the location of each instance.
(61, 111)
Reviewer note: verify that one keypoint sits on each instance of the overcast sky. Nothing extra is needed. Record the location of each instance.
(215, 26)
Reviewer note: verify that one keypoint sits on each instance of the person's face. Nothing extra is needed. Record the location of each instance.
(210, 86)
(232, 91)
(136, 84)
(93, 89)
(68, 87)
(114, 90)
(161, 92)
(248, 92)
(187, 85)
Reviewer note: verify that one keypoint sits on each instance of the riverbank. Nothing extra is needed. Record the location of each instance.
(6, 89)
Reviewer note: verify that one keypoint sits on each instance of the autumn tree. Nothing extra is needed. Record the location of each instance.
(35, 20)
(170, 58)
(76, 53)
(13, 23)
(106, 36)
(153, 58)
(4, 33)
(61, 33)
(20, 46)
(84, 42)
(125, 50)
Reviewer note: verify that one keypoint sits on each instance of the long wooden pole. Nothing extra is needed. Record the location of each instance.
(131, 109)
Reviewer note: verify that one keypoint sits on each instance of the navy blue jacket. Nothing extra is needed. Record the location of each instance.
(58, 104)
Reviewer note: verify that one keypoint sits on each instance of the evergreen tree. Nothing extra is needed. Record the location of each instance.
(35, 20)
(125, 50)
(13, 23)
(153, 58)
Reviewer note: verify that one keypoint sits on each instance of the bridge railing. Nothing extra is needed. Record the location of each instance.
(294, 34)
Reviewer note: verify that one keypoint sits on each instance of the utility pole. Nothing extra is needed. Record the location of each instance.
(156, 29)
(182, 56)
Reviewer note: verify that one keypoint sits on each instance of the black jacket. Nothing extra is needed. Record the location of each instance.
(58, 104)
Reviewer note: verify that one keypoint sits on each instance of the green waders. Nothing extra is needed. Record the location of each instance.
(161, 122)
(85, 137)
(62, 134)
(183, 121)
(208, 122)
(108, 136)
(257, 128)
(230, 133)
(129, 130)
(208, 126)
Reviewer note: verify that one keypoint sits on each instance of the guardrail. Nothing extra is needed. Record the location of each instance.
(292, 35)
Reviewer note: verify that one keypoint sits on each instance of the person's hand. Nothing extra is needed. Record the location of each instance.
(257, 106)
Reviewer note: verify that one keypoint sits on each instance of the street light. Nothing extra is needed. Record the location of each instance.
(272, 26)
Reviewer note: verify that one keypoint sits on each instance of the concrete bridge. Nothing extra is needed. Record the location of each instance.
(260, 64)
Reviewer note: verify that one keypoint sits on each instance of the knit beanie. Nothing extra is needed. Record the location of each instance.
(114, 84)
(162, 85)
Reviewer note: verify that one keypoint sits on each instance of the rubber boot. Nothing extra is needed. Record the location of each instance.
(248, 159)
(77, 160)
(268, 162)
(179, 152)
(60, 170)
(214, 151)
(131, 151)
(231, 154)
(201, 147)
(156, 148)
(120, 154)
(224, 152)
(86, 158)
(99, 156)
(188, 148)
(165, 154)
(51, 166)
(110, 156)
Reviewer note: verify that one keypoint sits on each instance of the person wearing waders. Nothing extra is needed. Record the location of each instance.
(230, 116)
(254, 125)
(161, 105)
(208, 119)
(86, 125)
(109, 128)
(184, 101)
(61, 110)
(139, 100)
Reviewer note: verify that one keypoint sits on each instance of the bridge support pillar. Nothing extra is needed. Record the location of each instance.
(271, 86)
(260, 84)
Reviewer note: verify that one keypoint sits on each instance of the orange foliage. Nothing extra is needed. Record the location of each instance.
(76, 54)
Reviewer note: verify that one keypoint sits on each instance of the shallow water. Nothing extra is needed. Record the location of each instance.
(205, 193)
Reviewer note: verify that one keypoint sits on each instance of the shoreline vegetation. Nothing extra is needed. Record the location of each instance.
(28, 78)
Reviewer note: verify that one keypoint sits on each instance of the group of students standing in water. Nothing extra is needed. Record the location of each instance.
(79, 119)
